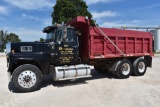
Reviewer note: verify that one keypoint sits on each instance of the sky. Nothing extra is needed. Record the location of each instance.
(27, 18)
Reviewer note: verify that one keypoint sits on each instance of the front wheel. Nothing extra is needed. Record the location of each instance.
(27, 78)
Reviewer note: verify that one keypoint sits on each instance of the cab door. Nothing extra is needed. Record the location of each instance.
(67, 46)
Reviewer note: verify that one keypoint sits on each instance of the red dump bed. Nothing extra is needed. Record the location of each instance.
(93, 44)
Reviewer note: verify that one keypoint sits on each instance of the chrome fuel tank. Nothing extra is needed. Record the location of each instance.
(72, 72)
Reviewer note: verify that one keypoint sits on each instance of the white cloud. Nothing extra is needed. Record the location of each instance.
(31, 17)
(31, 4)
(3, 10)
(24, 15)
(25, 34)
(118, 24)
(152, 6)
(135, 21)
(28, 34)
(103, 14)
(111, 24)
(45, 21)
(89, 2)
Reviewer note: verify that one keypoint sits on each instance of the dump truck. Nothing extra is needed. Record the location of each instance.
(71, 50)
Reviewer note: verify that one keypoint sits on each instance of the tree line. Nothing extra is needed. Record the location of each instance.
(7, 37)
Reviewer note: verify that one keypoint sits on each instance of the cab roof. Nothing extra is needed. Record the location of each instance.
(49, 29)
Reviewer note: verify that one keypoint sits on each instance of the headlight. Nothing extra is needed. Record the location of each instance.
(8, 47)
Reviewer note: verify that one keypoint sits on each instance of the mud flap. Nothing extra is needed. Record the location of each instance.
(148, 61)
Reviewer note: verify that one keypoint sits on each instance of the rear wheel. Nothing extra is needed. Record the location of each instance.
(124, 69)
(139, 67)
(27, 78)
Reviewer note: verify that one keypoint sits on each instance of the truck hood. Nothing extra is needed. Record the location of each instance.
(27, 47)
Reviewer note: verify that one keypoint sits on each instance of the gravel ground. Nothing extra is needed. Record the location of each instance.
(100, 90)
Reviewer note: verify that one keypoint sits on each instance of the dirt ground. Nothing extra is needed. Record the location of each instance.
(102, 90)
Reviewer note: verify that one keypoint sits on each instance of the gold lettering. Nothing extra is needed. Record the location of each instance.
(65, 45)
(60, 48)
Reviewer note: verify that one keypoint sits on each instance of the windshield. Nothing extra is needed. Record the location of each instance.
(50, 36)
(61, 34)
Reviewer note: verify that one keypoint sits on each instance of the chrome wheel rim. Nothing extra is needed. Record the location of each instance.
(27, 79)
(141, 67)
(125, 69)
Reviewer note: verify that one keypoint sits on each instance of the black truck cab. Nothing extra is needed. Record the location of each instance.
(59, 55)
(63, 44)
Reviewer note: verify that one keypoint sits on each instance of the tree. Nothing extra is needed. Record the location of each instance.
(12, 37)
(4, 38)
(41, 40)
(65, 10)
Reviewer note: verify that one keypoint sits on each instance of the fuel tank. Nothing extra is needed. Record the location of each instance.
(72, 72)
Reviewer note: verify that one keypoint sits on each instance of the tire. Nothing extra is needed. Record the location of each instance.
(113, 70)
(124, 69)
(114, 73)
(139, 67)
(27, 78)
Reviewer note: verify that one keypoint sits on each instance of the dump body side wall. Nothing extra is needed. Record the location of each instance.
(131, 43)
(94, 45)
